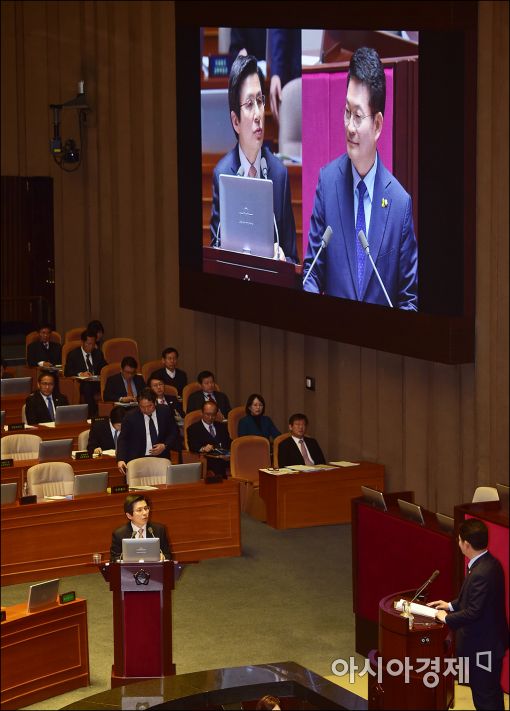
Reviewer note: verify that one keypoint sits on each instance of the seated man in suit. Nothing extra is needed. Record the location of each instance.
(298, 449)
(137, 509)
(43, 352)
(170, 374)
(104, 434)
(250, 158)
(149, 431)
(158, 387)
(41, 404)
(124, 386)
(208, 392)
(207, 434)
(86, 361)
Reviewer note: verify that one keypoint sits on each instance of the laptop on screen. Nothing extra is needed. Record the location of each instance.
(217, 132)
(9, 493)
(94, 483)
(52, 449)
(42, 595)
(71, 413)
(411, 511)
(374, 497)
(16, 386)
(246, 215)
(136, 550)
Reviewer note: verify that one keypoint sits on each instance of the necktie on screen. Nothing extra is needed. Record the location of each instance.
(50, 408)
(140, 533)
(252, 173)
(90, 367)
(153, 432)
(212, 430)
(304, 453)
(360, 225)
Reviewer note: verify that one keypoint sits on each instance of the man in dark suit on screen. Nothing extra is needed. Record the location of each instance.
(478, 616)
(355, 193)
(298, 449)
(150, 431)
(137, 509)
(40, 405)
(250, 158)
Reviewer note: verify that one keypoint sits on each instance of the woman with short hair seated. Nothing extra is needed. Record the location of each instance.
(255, 422)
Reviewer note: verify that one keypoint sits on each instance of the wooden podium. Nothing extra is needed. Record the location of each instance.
(248, 267)
(427, 639)
(142, 620)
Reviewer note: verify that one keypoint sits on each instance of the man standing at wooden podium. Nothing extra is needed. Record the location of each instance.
(478, 616)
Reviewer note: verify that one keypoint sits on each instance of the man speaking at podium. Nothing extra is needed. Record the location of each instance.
(355, 192)
(478, 616)
(250, 158)
(139, 525)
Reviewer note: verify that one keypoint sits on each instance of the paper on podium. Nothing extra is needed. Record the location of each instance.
(345, 464)
(417, 609)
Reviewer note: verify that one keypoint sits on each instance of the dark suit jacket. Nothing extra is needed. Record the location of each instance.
(282, 206)
(126, 531)
(198, 436)
(36, 408)
(180, 380)
(75, 362)
(289, 453)
(285, 51)
(114, 388)
(390, 236)
(174, 405)
(196, 400)
(132, 440)
(37, 352)
(479, 612)
(100, 436)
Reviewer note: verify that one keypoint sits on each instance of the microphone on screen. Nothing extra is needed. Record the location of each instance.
(328, 233)
(364, 243)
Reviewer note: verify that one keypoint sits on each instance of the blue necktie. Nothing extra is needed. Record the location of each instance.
(360, 225)
(50, 408)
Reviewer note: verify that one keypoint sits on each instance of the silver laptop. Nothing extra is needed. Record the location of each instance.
(43, 595)
(67, 414)
(136, 550)
(217, 132)
(374, 497)
(447, 523)
(184, 473)
(246, 215)
(94, 483)
(52, 449)
(16, 386)
(9, 493)
(411, 511)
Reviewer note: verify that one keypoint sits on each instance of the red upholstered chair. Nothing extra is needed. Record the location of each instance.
(276, 444)
(115, 349)
(233, 417)
(247, 456)
(73, 334)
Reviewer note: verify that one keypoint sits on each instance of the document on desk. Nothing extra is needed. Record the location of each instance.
(303, 468)
(46, 424)
(324, 467)
(345, 464)
(109, 452)
(277, 471)
(417, 609)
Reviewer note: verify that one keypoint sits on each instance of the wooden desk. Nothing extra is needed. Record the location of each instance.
(316, 498)
(12, 404)
(18, 472)
(66, 431)
(44, 653)
(202, 520)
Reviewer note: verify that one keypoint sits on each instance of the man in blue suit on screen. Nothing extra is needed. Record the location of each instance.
(251, 158)
(356, 193)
